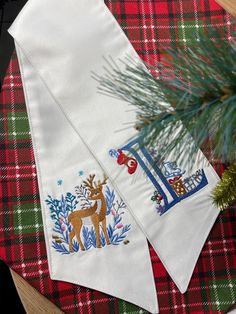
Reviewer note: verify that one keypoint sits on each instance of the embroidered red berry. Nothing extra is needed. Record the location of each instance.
(113, 212)
(119, 226)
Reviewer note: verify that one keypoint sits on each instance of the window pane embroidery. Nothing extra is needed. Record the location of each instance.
(171, 183)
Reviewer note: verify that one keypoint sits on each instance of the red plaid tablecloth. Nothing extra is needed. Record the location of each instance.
(151, 27)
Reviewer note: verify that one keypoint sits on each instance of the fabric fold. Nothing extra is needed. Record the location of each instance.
(122, 267)
(171, 205)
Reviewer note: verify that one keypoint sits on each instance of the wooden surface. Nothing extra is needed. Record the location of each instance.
(32, 300)
(228, 5)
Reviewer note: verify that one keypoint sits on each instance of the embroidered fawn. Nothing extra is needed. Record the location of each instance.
(95, 214)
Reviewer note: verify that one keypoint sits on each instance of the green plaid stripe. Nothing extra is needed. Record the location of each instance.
(151, 26)
(18, 126)
(222, 293)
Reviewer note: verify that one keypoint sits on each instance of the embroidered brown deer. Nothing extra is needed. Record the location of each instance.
(95, 214)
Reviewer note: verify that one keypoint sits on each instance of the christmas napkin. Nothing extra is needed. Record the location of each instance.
(171, 204)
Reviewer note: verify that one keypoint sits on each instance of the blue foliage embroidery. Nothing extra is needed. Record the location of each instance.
(61, 208)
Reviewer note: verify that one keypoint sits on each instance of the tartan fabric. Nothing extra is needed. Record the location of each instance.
(151, 27)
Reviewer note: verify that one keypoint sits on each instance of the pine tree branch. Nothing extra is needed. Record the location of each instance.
(195, 94)
(225, 192)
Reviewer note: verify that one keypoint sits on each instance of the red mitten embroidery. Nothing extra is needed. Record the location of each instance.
(130, 162)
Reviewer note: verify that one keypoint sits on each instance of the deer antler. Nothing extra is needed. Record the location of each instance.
(89, 182)
(103, 182)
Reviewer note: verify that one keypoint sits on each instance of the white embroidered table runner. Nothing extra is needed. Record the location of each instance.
(69, 181)
(76, 136)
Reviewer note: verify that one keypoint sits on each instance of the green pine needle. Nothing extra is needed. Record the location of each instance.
(193, 97)
(225, 192)
(195, 94)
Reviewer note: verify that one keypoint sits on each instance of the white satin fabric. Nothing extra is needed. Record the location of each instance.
(123, 271)
(61, 43)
